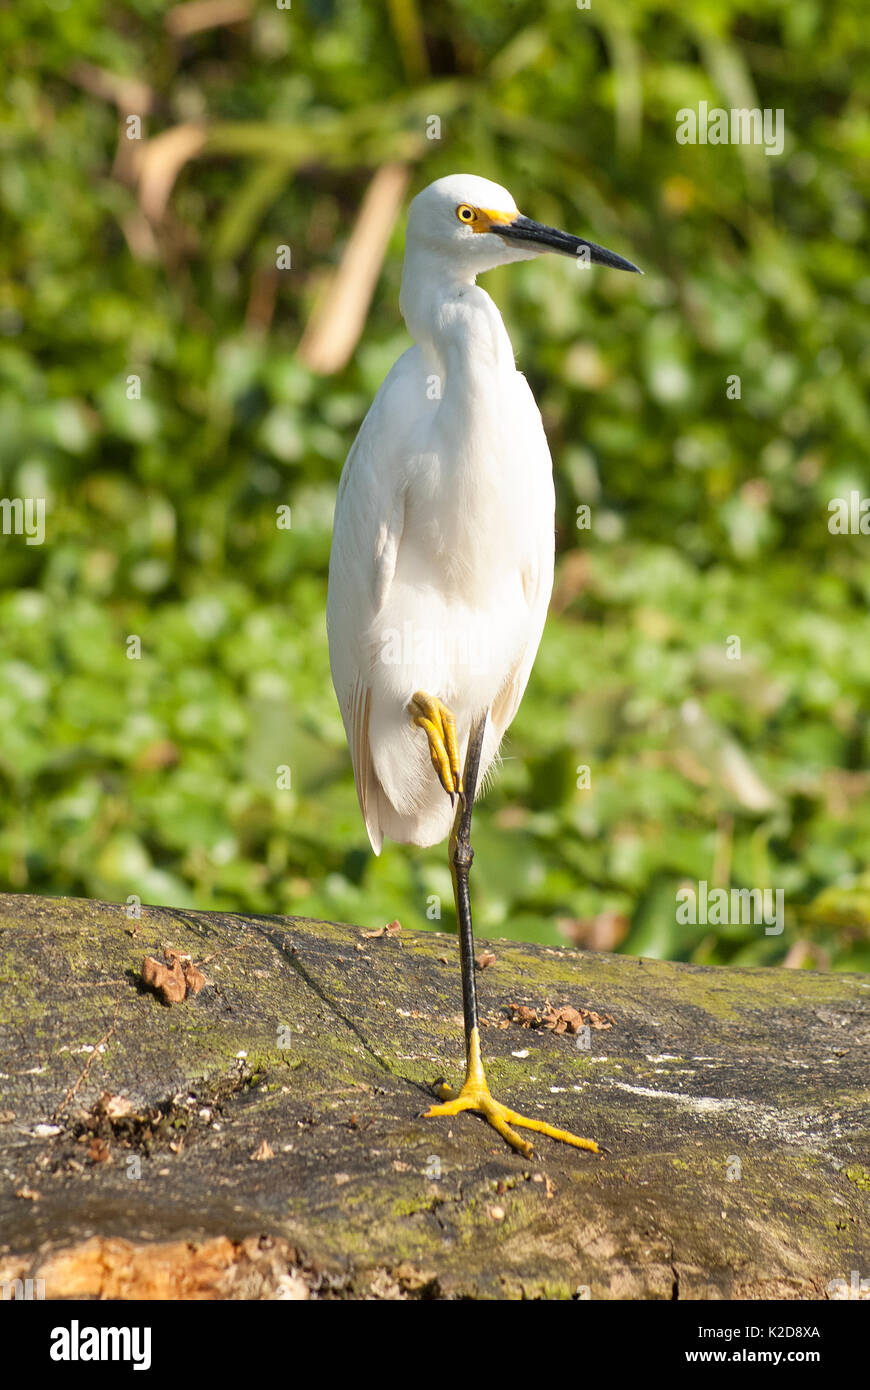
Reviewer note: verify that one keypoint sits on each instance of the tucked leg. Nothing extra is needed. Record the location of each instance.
(438, 723)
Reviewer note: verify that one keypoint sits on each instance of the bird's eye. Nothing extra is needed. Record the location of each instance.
(465, 213)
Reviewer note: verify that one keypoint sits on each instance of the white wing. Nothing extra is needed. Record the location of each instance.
(367, 530)
(404, 540)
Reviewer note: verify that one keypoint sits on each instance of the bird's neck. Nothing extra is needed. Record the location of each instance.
(473, 465)
(451, 317)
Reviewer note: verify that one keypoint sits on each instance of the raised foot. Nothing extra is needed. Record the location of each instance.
(476, 1096)
(438, 723)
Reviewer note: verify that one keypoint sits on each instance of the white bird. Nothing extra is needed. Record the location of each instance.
(442, 555)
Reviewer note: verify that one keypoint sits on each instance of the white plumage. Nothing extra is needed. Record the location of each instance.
(442, 554)
(442, 562)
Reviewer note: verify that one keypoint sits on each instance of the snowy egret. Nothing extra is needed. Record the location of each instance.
(442, 558)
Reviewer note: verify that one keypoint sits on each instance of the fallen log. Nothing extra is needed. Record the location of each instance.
(262, 1137)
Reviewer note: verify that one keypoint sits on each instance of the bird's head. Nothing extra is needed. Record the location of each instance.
(476, 225)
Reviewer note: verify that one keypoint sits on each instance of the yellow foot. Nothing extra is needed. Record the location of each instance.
(439, 725)
(475, 1095)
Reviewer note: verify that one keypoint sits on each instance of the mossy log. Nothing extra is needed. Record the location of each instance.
(264, 1137)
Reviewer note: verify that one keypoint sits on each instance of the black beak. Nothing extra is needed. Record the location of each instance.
(523, 229)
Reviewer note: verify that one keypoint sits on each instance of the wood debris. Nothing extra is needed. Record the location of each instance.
(115, 1107)
(112, 1268)
(391, 929)
(563, 1019)
(175, 979)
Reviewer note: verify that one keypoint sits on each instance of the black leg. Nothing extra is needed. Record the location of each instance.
(475, 1093)
(461, 855)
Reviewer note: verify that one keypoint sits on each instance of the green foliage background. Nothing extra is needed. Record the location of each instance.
(709, 516)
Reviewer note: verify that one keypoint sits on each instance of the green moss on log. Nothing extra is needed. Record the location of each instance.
(732, 1105)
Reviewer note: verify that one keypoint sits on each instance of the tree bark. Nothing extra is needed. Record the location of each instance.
(264, 1137)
